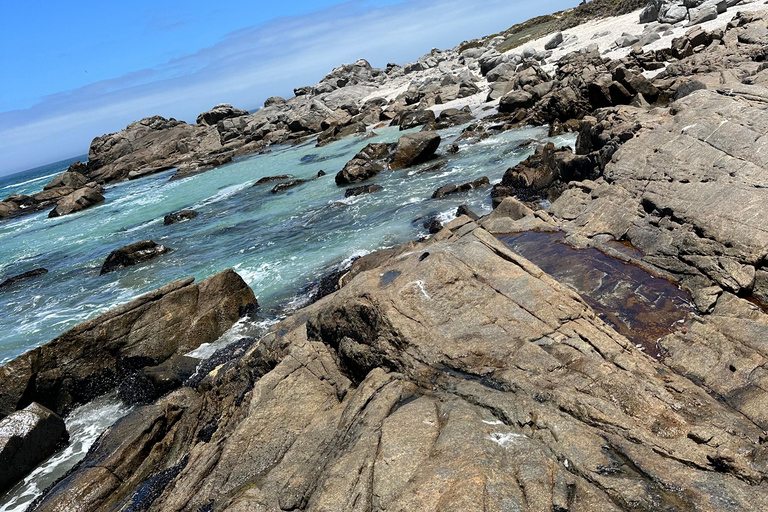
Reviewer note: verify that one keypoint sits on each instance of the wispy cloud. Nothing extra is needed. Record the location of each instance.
(248, 66)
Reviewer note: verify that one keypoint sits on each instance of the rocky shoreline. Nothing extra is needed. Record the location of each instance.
(452, 373)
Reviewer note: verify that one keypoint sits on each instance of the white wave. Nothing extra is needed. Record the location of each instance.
(31, 181)
(85, 424)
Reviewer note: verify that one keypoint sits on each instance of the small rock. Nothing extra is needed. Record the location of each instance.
(267, 179)
(464, 210)
(133, 254)
(320, 173)
(433, 225)
(180, 216)
(285, 186)
(23, 277)
(363, 189)
(415, 148)
(556, 40)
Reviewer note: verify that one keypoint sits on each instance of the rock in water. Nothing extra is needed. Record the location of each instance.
(102, 351)
(267, 179)
(416, 118)
(362, 189)
(369, 162)
(180, 216)
(133, 254)
(77, 201)
(27, 438)
(23, 277)
(415, 148)
(219, 113)
(285, 186)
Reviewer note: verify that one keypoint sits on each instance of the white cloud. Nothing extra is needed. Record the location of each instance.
(248, 66)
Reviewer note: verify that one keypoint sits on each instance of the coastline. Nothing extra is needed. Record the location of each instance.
(461, 355)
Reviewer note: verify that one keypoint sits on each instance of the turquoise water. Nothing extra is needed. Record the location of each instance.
(278, 243)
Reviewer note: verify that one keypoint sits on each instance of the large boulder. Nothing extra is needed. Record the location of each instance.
(92, 357)
(133, 254)
(69, 179)
(219, 113)
(77, 201)
(27, 438)
(370, 161)
(416, 118)
(414, 148)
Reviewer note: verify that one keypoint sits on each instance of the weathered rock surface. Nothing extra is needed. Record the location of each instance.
(92, 357)
(362, 189)
(449, 189)
(370, 161)
(280, 187)
(221, 112)
(133, 254)
(69, 179)
(27, 438)
(77, 201)
(414, 148)
(180, 216)
(387, 396)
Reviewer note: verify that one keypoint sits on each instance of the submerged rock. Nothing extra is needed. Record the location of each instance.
(133, 254)
(23, 277)
(267, 179)
(362, 189)
(180, 216)
(280, 187)
(100, 352)
(27, 438)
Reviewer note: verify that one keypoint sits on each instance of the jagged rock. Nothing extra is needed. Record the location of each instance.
(180, 216)
(414, 148)
(102, 351)
(133, 254)
(362, 189)
(69, 179)
(27, 438)
(306, 90)
(280, 187)
(219, 113)
(152, 382)
(386, 396)
(23, 277)
(370, 161)
(464, 210)
(77, 201)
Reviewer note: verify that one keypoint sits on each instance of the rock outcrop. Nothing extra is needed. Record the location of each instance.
(27, 438)
(219, 113)
(387, 396)
(77, 201)
(133, 254)
(414, 148)
(92, 357)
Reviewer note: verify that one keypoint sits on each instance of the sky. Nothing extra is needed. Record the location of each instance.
(72, 71)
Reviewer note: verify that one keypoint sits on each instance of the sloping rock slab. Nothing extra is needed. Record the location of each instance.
(454, 376)
(90, 358)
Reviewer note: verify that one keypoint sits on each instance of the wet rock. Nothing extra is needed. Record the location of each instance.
(414, 148)
(152, 382)
(267, 179)
(464, 210)
(77, 201)
(416, 118)
(219, 113)
(446, 190)
(27, 438)
(320, 173)
(534, 174)
(432, 225)
(280, 187)
(133, 254)
(180, 216)
(362, 189)
(102, 351)
(23, 277)
(453, 117)
(69, 179)
(370, 161)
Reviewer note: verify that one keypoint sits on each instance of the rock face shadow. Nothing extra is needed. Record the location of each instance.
(640, 306)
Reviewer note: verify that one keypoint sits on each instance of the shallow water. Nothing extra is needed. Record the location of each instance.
(639, 305)
(278, 243)
(85, 424)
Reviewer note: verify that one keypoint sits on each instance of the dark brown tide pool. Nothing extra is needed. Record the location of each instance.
(639, 305)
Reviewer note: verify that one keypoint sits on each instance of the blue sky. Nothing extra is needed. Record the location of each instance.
(75, 70)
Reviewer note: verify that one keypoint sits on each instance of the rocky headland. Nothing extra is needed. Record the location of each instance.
(452, 373)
